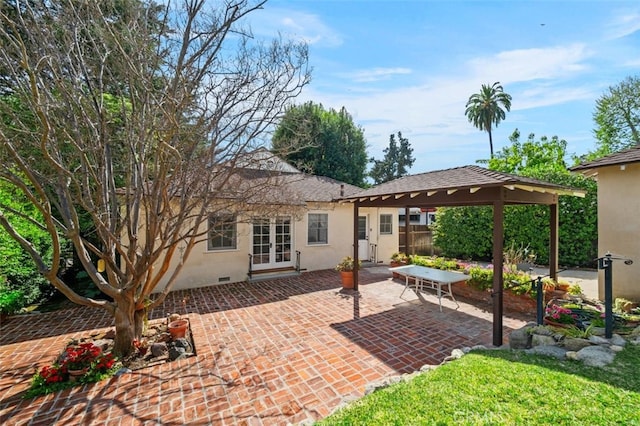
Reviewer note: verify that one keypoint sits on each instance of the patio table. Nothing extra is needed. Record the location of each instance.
(421, 277)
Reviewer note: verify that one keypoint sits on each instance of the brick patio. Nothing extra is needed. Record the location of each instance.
(268, 353)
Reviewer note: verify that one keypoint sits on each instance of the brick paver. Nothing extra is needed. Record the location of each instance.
(268, 353)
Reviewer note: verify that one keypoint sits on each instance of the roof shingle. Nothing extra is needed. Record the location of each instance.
(456, 178)
(627, 156)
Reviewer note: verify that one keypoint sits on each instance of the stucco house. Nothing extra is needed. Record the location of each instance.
(307, 229)
(618, 177)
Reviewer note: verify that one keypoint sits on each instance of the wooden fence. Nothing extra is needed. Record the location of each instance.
(420, 240)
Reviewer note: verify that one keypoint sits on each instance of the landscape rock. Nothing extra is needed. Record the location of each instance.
(618, 340)
(572, 355)
(159, 349)
(596, 356)
(575, 344)
(480, 347)
(540, 340)
(457, 354)
(554, 351)
(176, 353)
(597, 340)
(520, 338)
(122, 371)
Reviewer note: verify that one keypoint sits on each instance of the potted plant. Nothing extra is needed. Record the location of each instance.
(398, 259)
(78, 359)
(178, 328)
(345, 267)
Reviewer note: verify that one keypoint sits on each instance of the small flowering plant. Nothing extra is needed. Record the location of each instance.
(99, 365)
(53, 374)
(80, 357)
(560, 314)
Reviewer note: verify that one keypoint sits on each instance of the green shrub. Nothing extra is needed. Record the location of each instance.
(11, 301)
(434, 262)
(481, 278)
(15, 264)
(466, 232)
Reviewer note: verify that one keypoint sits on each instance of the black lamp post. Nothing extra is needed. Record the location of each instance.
(606, 263)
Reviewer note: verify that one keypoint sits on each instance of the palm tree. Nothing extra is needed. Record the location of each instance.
(484, 108)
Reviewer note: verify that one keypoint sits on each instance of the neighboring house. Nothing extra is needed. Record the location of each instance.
(418, 216)
(307, 229)
(618, 177)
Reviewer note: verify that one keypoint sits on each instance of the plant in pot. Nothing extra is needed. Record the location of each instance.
(178, 328)
(77, 360)
(345, 267)
(398, 259)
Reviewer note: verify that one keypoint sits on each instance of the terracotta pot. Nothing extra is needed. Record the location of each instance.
(552, 323)
(347, 279)
(75, 375)
(178, 329)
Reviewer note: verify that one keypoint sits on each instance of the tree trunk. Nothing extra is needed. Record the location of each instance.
(490, 142)
(125, 325)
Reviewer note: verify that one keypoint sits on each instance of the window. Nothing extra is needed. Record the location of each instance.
(412, 218)
(386, 224)
(222, 232)
(318, 228)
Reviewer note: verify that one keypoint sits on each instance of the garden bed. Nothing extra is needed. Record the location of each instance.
(522, 303)
(93, 357)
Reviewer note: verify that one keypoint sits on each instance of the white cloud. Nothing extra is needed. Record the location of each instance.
(294, 24)
(624, 23)
(431, 114)
(375, 74)
(531, 64)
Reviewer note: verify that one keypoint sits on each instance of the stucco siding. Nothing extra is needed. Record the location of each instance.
(619, 226)
(204, 267)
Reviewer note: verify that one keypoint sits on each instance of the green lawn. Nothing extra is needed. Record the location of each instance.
(507, 388)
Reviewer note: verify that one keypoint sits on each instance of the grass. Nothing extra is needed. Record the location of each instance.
(492, 387)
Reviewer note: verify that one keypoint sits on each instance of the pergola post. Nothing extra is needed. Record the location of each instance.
(356, 262)
(553, 241)
(498, 249)
(407, 221)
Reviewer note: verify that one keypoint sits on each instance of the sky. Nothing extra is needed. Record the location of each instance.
(410, 66)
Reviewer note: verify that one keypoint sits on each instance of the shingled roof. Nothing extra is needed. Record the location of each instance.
(628, 156)
(467, 178)
(312, 188)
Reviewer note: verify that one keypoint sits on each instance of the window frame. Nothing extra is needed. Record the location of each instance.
(317, 229)
(382, 223)
(222, 220)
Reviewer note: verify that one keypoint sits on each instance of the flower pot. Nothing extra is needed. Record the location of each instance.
(178, 329)
(75, 375)
(347, 279)
(552, 323)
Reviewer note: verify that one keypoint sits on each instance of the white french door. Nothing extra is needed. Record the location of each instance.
(272, 243)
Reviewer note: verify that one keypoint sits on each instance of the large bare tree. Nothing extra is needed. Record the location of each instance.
(139, 117)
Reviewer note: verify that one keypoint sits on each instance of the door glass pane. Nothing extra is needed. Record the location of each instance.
(283, 239)
(261, 241)
(362, 227)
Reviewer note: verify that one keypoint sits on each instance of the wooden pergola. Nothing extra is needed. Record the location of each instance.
(468, 186)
